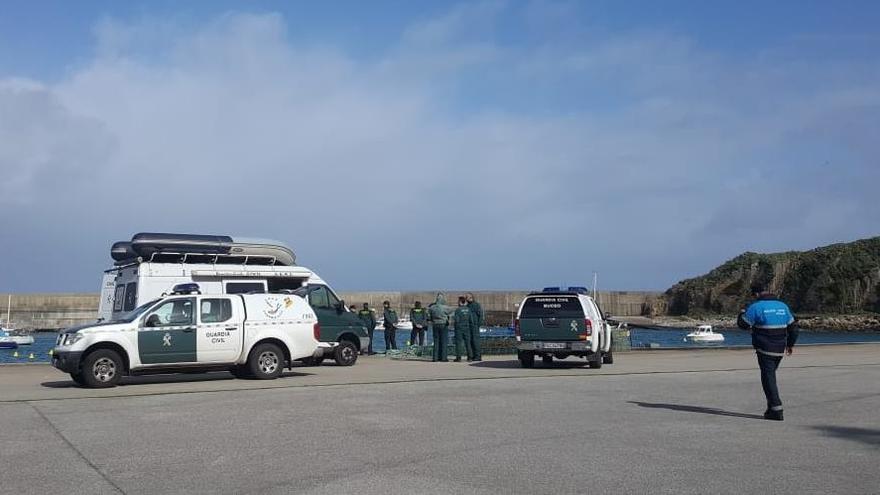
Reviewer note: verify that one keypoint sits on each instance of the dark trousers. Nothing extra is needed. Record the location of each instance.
(768, 365)
(417, 336)
(390, 338)
(462, 339)
(474, 340)
(441, 341)
(370, 335)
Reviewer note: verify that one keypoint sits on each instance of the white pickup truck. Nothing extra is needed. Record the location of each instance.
(250, 335)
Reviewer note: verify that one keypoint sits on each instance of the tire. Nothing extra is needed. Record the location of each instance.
(266, 362)
(608, 358)
(102, 368)
(547, 359)
(527, 359)
(346, 353)
(78, 379)
(596, 363)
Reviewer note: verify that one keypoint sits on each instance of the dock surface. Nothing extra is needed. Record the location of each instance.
(654, 422)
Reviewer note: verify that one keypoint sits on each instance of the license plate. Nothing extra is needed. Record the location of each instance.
(553, 345)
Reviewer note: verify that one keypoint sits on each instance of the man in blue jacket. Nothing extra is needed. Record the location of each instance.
(774, 333)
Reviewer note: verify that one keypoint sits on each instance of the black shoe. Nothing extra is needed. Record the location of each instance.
(469, 359)
(478, 359)
(773, 415)
(457, 360)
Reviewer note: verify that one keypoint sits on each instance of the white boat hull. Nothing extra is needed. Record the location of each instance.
(18, 339)
(706, 338)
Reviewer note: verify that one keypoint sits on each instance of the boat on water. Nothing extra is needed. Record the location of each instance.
(402, 324)
(704, 333)
(8, 335)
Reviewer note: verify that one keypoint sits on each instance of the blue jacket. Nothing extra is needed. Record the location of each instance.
(772, 325)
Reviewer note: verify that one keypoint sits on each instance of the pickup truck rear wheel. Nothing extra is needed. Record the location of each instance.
(526, 359)
(608, 358)
(102, 368)
(596, 362)
(346, 353)
(266, 362)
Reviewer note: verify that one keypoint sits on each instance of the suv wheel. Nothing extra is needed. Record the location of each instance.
(596, 362)
(266, 362)
(346, 353)
(608, 358)
(526, 359)
(547, 359)
(102, 369)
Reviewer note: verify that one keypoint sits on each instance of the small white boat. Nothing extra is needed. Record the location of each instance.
(704, 333)
(402, 324)
(6, 337)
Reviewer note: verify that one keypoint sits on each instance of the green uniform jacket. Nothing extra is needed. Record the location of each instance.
(367, 317)
(477, 310)
(390, 317)
(464, 318)
(439, 312)
(418, 317)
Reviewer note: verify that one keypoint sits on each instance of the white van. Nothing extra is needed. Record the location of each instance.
(250, 335)
(151, 264)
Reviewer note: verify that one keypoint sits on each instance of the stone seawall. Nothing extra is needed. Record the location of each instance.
(53, 311)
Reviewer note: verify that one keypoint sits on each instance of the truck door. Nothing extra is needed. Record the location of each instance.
(220, 330)
(552, 317)
(168, 333)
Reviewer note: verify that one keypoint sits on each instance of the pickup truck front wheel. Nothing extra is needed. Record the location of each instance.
(266, 362)
(101, 368)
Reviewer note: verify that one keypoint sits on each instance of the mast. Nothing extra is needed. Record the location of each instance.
(8, 309)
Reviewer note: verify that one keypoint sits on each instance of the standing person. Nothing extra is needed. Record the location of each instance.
(366, 316)
(464, 323)
(419, 318)
(438, 315)
(477, 310)
(774, 333)
(389, 317)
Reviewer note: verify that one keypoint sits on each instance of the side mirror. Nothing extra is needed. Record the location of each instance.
(340, 307)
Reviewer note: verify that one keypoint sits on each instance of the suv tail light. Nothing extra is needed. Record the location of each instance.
(516, 330)
(588, 329)
(316, 331)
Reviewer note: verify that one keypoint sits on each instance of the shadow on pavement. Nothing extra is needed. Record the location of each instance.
(173, 378)
(697, 409)
(514, 363)
(863, 435)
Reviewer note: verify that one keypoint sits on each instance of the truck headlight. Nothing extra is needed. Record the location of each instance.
(72, 338)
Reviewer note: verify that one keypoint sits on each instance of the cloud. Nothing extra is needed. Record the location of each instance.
(452, 159)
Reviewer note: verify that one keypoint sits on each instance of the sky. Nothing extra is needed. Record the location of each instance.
(424, 145)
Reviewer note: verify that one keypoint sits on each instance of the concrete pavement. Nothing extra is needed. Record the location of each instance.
(654, 422)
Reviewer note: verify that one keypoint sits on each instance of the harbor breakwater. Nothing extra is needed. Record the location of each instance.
(54, 311)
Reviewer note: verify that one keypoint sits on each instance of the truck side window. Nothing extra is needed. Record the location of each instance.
(215, 310)
(131, 291)
(119, 297)
(320, 297)
(177, 312)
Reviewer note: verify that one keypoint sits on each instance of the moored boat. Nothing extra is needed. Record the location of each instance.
(704, 333)
(17, 339)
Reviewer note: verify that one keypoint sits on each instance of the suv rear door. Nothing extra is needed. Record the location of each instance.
(556, 317)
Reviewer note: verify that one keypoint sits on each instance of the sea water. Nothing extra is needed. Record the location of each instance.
(639, 337)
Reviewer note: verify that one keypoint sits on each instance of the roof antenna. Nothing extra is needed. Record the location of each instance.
(595, 283)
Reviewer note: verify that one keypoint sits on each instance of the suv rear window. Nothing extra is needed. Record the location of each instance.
(552, 307)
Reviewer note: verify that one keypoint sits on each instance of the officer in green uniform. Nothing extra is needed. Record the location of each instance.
(367, 317)
(419, 318)
(477, 310)
(464, 321)
(438, 313)
(389, 323)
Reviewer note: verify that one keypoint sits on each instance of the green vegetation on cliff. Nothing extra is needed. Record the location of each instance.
(840, 278)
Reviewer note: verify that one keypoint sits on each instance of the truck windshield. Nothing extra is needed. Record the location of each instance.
(131, 316)
(552, 307)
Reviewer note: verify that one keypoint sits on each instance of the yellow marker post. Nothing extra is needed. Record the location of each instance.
(15, 354)
(31, 355)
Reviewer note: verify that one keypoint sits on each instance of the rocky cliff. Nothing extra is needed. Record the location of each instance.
(836, 279)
